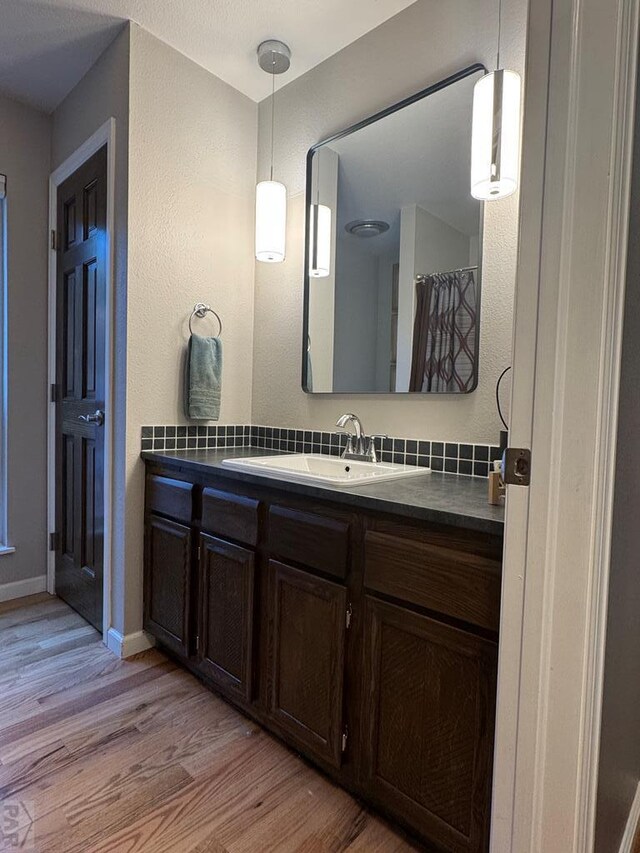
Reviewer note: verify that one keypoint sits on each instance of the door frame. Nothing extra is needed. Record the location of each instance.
(575, 191)
(104, 135)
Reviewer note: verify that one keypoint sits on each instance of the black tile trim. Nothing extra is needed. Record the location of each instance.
(472, 460)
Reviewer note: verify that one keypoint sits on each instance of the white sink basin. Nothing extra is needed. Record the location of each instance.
(315, 468)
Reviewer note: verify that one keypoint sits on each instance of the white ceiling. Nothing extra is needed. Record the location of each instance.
(46, 46)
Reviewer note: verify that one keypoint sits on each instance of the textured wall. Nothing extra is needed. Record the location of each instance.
(619, 769)
(191, 180)
(421, 45)
(101, 94)
(24, 158)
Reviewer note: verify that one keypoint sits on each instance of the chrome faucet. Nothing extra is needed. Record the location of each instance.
(358, 446)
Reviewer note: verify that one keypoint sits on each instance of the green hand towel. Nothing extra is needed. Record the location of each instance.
(203, 380)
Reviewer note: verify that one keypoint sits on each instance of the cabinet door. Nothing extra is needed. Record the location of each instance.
(306, 665)
(429, 693)
(168, 583)
(226, 618)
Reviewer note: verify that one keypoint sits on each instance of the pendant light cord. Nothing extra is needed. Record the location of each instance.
(499, 34)
(273, 105)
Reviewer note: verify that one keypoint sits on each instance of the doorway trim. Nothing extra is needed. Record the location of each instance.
(582, 57)
(104, 135)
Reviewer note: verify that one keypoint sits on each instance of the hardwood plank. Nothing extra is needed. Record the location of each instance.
(138, 756)
(30, 653)
(58, 717)
(209, 845)
(106, 670)
(20, 605)
(38, 763)
(91, 723)
(252, 771)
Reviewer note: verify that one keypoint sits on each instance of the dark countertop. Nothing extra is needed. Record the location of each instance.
(441, 498)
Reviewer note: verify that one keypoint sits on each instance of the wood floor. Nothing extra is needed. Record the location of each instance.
(109, 755)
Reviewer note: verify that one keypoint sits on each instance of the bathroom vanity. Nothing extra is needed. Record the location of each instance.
(360, 626)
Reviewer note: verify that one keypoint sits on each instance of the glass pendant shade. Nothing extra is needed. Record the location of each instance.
(271, 221)
(320, 260)
(495, 143)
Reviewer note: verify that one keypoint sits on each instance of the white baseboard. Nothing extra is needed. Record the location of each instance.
(129, 644)
(20, 589)
(632, 824)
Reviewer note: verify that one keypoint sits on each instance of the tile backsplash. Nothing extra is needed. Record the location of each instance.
(195, 437)
(471, 460)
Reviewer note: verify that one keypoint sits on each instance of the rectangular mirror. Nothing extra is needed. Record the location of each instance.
(393, 250)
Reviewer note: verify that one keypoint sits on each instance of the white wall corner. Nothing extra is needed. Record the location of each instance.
(632, 824)
(129, 644)
(20, 589)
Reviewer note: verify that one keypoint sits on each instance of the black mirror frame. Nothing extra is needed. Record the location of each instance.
(405, 102)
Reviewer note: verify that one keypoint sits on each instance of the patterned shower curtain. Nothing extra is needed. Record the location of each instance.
(445, 333)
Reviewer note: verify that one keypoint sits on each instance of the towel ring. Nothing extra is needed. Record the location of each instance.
(201, 310)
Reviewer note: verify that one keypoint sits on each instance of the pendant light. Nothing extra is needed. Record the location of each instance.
(320, 230)
(495, 140)
(274, 57)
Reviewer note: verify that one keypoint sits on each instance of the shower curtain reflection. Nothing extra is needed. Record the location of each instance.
(445, 333)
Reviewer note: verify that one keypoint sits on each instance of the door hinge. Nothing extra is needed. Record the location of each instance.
(54, 541)
(54, 392)
(199, 552)
(345, 738)
(348, 616)
(516, 469)
(54, 240)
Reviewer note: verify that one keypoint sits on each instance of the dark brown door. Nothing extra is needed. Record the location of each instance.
(226, 626)
(428, 721)
(80, 387)
(167, 582)
(306, 667)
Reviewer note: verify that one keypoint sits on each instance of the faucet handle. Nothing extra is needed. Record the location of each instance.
(371, 450)
(349, 445)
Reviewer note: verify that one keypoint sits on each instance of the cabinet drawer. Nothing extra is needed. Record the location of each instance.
(317, 541)
(455, 583)
(231, 516)
(170, 497)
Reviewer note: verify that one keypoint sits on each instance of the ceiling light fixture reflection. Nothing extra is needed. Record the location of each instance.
(366, 228)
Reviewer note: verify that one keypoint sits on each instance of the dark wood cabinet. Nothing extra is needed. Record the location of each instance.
(428, 723)
(225, 639)
(306, 667)
(364, 640)
(167, 593)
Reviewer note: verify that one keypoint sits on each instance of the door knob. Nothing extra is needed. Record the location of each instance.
(96, 418)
